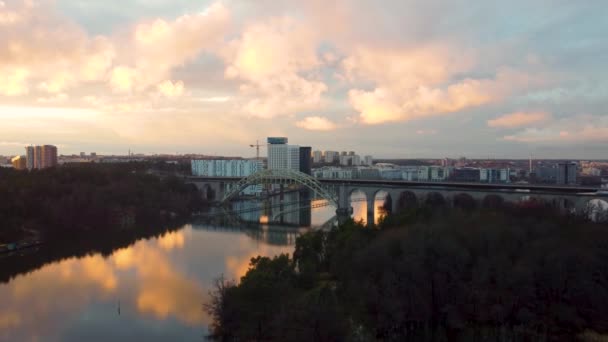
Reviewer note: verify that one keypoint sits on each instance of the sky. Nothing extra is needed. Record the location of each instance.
(390, 78)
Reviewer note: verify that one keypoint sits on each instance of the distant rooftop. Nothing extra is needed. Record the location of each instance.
(277, 140)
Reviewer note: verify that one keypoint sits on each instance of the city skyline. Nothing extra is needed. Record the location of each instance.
(392, 79)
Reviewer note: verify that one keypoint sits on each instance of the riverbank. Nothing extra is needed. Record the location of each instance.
(28, 260)
(427, 274)
(53, 204)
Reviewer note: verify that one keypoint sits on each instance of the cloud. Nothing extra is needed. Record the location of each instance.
(572, 129)
(13, 143)
(7, 16)
(519, 119)
(316, 123)
(48, 50)
(155, 48)
(175, 67)
(123, 79)
(13, 81)
(274, 60)
(423, 81)
(217, 99)
(171, 89)
(58, 98)
(426, 132)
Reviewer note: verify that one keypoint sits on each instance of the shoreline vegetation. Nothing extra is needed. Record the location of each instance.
(428, 273)
(74, 210)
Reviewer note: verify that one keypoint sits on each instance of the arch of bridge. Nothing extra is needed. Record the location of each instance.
(281, 176)
(569, 202)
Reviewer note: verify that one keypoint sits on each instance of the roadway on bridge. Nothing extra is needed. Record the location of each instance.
(444, 185)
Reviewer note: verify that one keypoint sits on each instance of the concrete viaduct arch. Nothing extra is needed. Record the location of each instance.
(571, 203)
(338, 193)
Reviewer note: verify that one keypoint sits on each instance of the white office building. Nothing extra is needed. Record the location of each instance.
(345, 160)
(368, 160)
(225, 167)
(350, 160)
(392, 174)
(283, 156)
(228, 168)
(494, 175)
(334, 173)
(434, 173)
(317, 156)
(331, 156)
(277, 156)
(410, 174)
(424, 173)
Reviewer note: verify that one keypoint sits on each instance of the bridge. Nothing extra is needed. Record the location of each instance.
(338, 192)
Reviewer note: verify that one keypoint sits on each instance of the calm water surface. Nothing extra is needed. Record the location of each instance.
(153, 290)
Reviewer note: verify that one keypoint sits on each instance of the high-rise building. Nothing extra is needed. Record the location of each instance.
(305, 160)
(317, 156)
(41, 157)
(350, 160)
(277, 153)
(19, 163)
(29, 155)
(566, 173)
(293, 157)
(345, 160)
(49, 156)
(546, 173)
(283, 156)
(331, 156)
(368, 160)
(37, 157)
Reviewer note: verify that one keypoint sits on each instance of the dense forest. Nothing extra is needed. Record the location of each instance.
(502, 274)
(73, 200)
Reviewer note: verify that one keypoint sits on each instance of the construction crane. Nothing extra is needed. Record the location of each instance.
(257, 149)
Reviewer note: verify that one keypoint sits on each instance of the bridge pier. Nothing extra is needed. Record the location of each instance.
(394, 200)
(343, 214)
(371, 201)
(344, 209)
(370, 195)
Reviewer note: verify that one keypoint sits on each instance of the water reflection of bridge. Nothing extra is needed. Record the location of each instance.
(270, 234)
(293, 209)
(568, 199)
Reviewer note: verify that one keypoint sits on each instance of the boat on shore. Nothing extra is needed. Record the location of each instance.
(19, 245)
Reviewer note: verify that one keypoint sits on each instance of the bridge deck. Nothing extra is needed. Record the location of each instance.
(445, 185)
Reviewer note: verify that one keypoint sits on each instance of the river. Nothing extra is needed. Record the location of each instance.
(152, 290)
